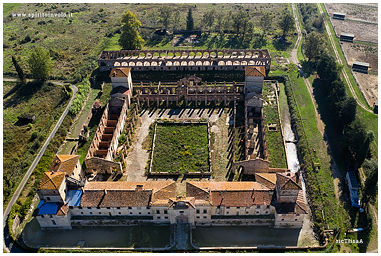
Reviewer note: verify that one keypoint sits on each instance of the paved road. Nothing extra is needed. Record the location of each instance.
(8, 246)
(341, 62)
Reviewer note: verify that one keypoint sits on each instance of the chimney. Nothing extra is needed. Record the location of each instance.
(139, 188)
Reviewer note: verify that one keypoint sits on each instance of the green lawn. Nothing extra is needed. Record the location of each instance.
(8, 7)
(181, 148)
(277, 154)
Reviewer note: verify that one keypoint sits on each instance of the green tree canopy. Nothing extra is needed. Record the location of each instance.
(242, 24)
(266, 21)
(208, 19)
(313, 45)
(287, 23)
(176, 20)
(165, 15)
(40, 63)
(130, 38)
(327, 69)
(190, 22)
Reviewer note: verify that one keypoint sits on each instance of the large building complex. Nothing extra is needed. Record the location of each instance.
(274, 199)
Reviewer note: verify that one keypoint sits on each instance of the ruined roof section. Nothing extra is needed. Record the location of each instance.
(231, 194)
(119, 89)
(64, 163)
(255, 71)
(62, 209)
(51, 181)
(120, 72)
(299, 207)
(289, 181)
(126, 194)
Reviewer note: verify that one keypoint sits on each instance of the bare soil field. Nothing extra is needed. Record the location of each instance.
(361, 52)
(369, 86)
(362, 31)
(361, 12)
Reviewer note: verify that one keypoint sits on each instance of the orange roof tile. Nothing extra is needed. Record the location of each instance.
(232, 194)
(126, 194)
(120, 72)
(255, 71)
(270, 177)
(51, 181)
(63, 210)
(64, 163)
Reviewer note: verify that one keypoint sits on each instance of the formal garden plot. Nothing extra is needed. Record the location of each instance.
(180, 148)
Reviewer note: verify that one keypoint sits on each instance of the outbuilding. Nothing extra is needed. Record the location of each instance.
(347, 37)
(360, 66)
(338, 15)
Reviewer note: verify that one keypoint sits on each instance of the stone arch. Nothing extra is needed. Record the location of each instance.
(162, 54)
(206, 63)
(199, 63)
(147, 63)
(191, 63)
(213, 54)
(177, 54)
(132, 64)
(124, 64)
(183, 63)
(206, 54)
(229, 63)
(139, 63)
(198, 54)
(220, 54)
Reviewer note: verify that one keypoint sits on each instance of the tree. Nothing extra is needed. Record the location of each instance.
(219, 22)
(153, 17)
(176, 20)
(313, 45)
(370, 168)
(130, 38)
(190, 23)
(353, 137)
(327, 69)
(165, 15)
(347, 112)
(242, 23)
(40, 63)
(19, 71)
(287, 23)
(266, 21)
(208, 19)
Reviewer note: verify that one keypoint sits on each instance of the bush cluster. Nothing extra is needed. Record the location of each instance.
(83, 91)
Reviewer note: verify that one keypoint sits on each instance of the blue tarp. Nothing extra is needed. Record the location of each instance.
(48, 208)
(40, 203)
(73, 197)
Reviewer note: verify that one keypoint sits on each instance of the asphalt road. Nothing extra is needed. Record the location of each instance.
(8, 246)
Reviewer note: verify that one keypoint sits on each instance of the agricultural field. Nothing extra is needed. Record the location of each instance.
(369, 86)
(362, 31)
(361, 52)
(367, 13)
(182, 148)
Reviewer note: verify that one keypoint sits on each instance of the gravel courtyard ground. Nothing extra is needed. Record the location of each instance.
(361, 12)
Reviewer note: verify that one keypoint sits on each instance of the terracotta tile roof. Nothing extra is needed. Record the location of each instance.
(51, 181)
(64, 163)
(292, 208)
(232, 194)
(62, 209)
(120, 72)
(267, 179)
(289, 181)
(255, 71)
(161, 202)
(202, 203)
(126, 194)
(121, 90)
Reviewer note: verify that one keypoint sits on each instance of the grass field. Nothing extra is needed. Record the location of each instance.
(181, 148)
(21, 141)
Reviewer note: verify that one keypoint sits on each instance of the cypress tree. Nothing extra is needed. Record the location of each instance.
(190, 23)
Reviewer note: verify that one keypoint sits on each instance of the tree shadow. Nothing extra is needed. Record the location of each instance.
(280, 43)
(23, 93)
(308, 67)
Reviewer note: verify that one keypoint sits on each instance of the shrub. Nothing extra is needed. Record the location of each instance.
(34, 135)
